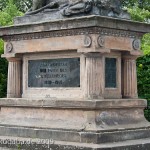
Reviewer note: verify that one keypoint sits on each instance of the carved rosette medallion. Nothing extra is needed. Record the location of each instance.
(9, 47)
(87, 41)
(101, 41)
(136, 44)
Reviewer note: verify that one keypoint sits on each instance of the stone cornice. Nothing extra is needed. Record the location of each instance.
(73, 32)
(76, 23)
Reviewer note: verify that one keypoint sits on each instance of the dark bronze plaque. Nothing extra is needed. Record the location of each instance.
(54, 72)
(110, 73)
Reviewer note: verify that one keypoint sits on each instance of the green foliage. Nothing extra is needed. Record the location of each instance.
(147, 113)
(8, 13)
(3, 77)
(143, 69)
(143, 65)
(146, 44)
(3, 72)
(140, 11)
(139, 14)
(6, 18)
(1, 46)
(22, 5)
(3, 4)
(141, 4)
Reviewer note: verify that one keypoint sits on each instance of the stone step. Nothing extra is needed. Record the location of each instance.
(19, 143)
(76, 136)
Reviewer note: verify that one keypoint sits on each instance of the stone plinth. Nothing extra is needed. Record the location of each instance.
(74, 81)
(87, 124)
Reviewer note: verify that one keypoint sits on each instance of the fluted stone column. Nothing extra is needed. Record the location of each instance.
(130, 77)
(14, 78)
(94, 76)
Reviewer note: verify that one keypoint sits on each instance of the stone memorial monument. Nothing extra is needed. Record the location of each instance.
(72, 78)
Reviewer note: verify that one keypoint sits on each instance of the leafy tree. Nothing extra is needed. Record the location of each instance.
(8, 13)
(3, 72)
(143, 67)
(146, 44)
(6, 18)
(22, 5)
(3, 4)
(141, 3)
(141, 12)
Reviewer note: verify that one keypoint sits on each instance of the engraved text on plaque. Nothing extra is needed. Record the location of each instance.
(54, 72)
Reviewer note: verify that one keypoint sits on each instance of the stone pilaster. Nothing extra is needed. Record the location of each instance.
(14, 78)
(94, 76)
(129, 77)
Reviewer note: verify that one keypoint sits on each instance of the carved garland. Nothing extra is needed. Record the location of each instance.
(73, 32)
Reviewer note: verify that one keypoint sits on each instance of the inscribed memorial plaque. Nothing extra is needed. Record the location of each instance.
(54, 72)
(110, 73)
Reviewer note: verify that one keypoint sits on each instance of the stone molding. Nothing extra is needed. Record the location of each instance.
(14, 59)
(73, 104)
(75, 24)
(74, 32)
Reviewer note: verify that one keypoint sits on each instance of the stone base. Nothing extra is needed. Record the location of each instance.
(50, 15)
(89, 125)
(46, 16)
(120, 135)
(53, 15)
(142, 144)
